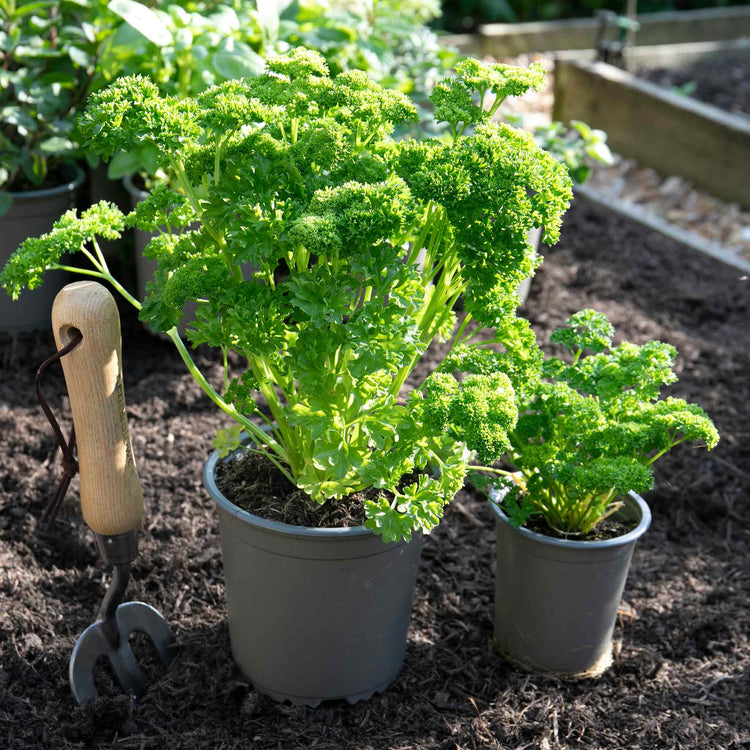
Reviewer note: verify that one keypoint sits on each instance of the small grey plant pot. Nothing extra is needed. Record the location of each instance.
(314, 613)
(556, 600)
(534, 237)
(32, 214)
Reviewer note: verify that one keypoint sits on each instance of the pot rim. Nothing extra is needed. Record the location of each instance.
(132, 188)
(276, 527)
(617, 541)
(68, 187)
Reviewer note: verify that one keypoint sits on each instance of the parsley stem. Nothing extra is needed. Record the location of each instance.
(260, 436)
(224, 352)
(493, 470)
(100, 255)
(73, 269)
(93, 260)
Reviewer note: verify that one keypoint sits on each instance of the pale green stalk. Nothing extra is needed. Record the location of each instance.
(258, 435)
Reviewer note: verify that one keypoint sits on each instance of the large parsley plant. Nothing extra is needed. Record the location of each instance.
(359, 245)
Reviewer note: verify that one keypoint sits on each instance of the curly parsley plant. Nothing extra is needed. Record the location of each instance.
(590, 430)
(355, 247)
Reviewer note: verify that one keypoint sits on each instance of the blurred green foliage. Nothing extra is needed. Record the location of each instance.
(54, 53)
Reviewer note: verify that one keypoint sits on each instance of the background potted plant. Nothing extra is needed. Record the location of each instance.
(568, 516)
(186, 48)
(44, 76)
(578, 147)
(295, 172)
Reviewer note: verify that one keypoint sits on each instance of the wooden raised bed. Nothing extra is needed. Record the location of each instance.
(640, 215)
(671, 133)
(672, 27)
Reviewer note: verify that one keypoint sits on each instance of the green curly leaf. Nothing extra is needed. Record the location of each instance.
(227, 441)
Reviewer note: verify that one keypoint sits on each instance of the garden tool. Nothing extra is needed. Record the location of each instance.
(111, 496)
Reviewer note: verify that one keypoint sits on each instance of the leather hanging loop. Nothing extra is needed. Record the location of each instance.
(69, 463)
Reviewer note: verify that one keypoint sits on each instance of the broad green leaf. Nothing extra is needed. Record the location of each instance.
(143, 19)
(24, 9)
(79, 57)
(224, 19)
(268, 17)
(6, 201)
(89, 31)
(56, 145)
(18, 116)
(61, 77)
(582, 128)
(183, 39)
(37, 53)
(238, 64)
(600, 152)
(123, 164)
(227, 441)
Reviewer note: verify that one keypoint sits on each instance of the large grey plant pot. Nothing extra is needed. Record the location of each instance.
(101, 188)
(314, 614)
(556, 600)
(144, 267)
(32, 214)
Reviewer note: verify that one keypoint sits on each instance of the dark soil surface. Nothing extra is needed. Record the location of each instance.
(680, 677)
(606, 529)
(723, 82)
(254, 484)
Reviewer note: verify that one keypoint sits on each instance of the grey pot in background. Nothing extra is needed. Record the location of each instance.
(144, 268)
(535, 238)
(32, 214)
(102, 188)
(556, 600)
(314, 613)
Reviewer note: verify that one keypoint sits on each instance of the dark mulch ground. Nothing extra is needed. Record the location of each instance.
(721, 81)
(680, 676)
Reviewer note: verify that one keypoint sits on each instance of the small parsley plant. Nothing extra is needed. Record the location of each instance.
(590, 429)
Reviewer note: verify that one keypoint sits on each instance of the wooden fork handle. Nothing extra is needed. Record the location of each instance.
(111, 495)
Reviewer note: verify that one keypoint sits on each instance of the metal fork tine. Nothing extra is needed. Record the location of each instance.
(138, 617)
(126, 669)
(94, 643)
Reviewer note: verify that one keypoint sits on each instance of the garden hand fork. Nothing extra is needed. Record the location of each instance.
(111, 496)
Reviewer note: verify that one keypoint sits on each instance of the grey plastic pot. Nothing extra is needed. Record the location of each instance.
(102, 188)
(144, 267)
(534, 237)
(314, 614)
(556, 600)
(31, 214)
